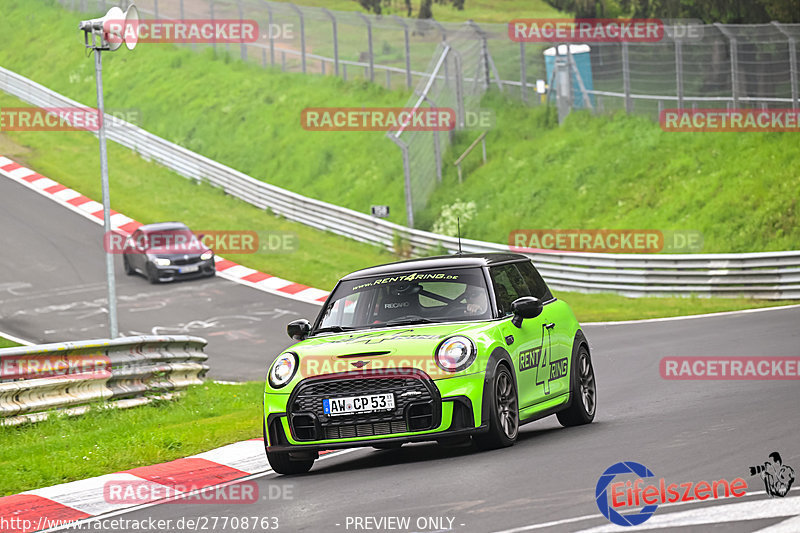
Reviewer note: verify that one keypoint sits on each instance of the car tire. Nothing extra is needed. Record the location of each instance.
(127, 266)
(503, 412)
(282, 463)
(583, 386)
(151, 276)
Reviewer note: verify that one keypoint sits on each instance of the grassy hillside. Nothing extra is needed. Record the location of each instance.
(740, 190)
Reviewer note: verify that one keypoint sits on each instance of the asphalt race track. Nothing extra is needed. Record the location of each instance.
(53, 288)
(682, 430)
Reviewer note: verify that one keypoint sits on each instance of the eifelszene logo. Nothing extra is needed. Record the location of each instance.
(627, 495)
(778, 477)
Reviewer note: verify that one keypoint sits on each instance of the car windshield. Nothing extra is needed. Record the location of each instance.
(172, 241)
(407, 298)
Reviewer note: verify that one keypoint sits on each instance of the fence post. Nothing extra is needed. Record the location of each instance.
(792, 64)
(181, 10)
(155, 7)
(734, 63)
(407, 179)
(679, 72)
(271, 37)
(408, 50)
(459, 89)
(335, 40)
(626, 78)
(211, 16)
(523, 72)
(302, 36)
(369, 46)
(243, 52)
(437, 151)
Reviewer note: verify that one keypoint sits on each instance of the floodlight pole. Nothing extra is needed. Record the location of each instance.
(111, 280)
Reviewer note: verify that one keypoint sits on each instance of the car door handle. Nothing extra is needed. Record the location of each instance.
(551, 325)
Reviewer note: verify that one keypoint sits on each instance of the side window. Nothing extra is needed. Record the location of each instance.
(533, 279)
(508, 286)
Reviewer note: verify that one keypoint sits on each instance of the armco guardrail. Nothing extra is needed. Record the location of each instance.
(769, 275)
(36, 379)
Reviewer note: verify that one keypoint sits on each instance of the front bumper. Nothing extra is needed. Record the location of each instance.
(457, 413)
(173, 272)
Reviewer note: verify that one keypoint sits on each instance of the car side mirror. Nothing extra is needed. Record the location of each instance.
(525, 307)
(298, 329)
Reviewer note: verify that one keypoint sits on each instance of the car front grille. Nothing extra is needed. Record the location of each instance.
(417, 406)
(192, 259)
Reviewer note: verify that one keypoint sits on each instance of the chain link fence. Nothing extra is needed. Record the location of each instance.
(453, 64)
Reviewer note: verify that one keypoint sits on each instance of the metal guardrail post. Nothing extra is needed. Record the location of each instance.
(302, 36)
(369, 46)
(335, 40)
(792, 43)
(407, 49)
(626, 78)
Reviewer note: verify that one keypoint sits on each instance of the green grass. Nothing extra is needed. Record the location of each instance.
(5, 343)
(62, 449)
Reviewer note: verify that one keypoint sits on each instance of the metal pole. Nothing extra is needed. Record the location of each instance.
(155, 7)
(734, 62)
(302, 36)
(679, 72)
(112, 290)
(523, 72)
(271, 38)
(459, 90)
(211, 15)
(437, 150)
(181, 7)
(335, 41)
(407, 177)
(792, 64)
(241, 23)
(626, 78)
(407, 48)
(369, 46)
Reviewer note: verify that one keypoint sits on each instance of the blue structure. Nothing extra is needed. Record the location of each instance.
(580, 53)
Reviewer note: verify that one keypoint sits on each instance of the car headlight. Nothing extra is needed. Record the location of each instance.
(162, 261)
(205, 256)
(283, 370)
(455, 354)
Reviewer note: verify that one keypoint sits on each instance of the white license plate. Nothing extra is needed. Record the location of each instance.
(190, 268)
(358, 404)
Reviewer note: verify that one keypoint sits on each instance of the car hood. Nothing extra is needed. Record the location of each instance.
(381, 349)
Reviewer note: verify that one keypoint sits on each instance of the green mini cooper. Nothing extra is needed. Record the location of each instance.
(444, 348)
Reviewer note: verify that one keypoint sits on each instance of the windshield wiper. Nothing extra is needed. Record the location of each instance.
(334, 329)
(408, 320)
